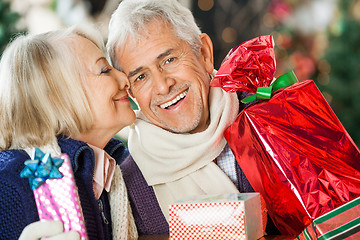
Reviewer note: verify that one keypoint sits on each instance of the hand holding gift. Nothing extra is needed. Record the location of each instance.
(54, 229)
(55, 192)
(291, 146)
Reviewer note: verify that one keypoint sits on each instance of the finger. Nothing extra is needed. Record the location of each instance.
(72, 235)
(39, 229)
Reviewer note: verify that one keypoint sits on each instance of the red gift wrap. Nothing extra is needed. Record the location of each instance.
(291, 147)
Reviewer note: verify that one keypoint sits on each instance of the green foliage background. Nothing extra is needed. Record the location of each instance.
(330, 58)
(343, 57)
(8, 21)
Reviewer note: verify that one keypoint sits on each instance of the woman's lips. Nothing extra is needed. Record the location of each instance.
(124, 98)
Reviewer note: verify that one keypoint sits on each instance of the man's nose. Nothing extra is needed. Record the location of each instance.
(162, 82)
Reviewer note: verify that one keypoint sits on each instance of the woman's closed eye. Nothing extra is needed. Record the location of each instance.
(105, 69)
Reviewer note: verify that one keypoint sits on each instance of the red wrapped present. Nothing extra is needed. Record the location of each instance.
(217, 217)
(289, 143)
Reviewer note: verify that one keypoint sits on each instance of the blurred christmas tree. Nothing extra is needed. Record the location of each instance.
(341, 73)
(319, 40)
(8, 20)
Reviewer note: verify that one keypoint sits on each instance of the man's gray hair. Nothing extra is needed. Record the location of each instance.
(130, 18)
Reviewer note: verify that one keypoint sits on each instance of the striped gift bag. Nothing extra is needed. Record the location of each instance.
(341, 223)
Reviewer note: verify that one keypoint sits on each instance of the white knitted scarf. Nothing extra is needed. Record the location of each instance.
(181, 165)
(123, 224)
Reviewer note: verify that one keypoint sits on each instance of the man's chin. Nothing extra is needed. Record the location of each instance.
(183, 127)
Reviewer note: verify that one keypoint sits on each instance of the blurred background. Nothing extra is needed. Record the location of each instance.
(318, 39)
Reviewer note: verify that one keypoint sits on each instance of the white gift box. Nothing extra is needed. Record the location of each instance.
(229, 216)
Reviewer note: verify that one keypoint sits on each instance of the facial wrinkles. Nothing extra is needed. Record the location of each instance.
(186, 65)
(172, 70)
(186, 126)
(174, 91)
(200, 97)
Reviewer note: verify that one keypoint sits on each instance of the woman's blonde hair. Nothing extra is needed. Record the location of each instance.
(42, 93)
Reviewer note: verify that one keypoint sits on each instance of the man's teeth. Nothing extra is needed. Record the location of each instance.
(175, 100)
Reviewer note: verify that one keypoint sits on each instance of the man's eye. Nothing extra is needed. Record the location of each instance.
(139, 78)
(170, 60)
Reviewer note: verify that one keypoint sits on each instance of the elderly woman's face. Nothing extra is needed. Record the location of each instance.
(106, 89)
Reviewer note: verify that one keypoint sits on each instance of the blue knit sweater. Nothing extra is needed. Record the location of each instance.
(17, 204)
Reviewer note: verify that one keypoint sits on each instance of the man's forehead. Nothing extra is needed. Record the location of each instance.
(148, 51)
(149, 31)
(125, 54)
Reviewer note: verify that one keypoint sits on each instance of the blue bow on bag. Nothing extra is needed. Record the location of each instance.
(41, 168)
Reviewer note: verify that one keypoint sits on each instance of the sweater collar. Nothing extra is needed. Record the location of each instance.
(74, 148)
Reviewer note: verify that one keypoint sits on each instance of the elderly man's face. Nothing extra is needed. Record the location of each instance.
(169, 82)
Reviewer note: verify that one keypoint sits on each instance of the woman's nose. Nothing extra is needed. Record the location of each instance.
(122, 79)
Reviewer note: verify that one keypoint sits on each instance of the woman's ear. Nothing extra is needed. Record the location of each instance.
(207, 52)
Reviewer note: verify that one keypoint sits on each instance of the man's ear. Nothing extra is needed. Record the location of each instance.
(207, 52)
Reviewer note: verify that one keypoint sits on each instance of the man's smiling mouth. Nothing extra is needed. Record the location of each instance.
(175, 100)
